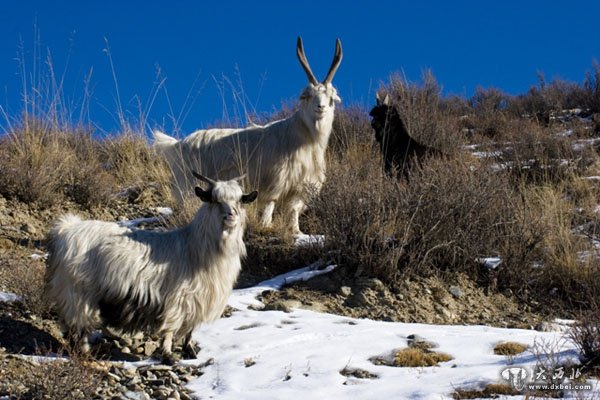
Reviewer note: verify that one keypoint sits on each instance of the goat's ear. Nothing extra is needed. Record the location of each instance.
(386, 100)
(205, 195)
(377, 99)
(250, 197)
(306, 94)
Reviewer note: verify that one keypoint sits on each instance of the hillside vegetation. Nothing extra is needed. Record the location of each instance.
(520, 180)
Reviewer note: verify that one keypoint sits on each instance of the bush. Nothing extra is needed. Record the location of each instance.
(46, 167)
(427, 117)
(586, 336)
(71, 379)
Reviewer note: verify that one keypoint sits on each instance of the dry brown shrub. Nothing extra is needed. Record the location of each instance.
(132, 162)
(25, 278)
(357, 212)
(586, 336)
(535, 155)
(491, 390)
(561, 275)
(428, 118)
(34, 164)
(70, 379)
(453, 212)
(46, 166)
(350, 127)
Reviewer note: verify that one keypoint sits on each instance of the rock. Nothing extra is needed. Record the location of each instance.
(283, 305)
(149, 348)
(135, 395)
(371, 283)
(138, 336)
(345, 291)
(415, 337)
(129, 373)
(359, 299)
(417, 341)
(391, 318)
(456, 291)
(546, 326)
(28, 228)
(185, 396)
(322, 283)
(314, 306)
(6, 244)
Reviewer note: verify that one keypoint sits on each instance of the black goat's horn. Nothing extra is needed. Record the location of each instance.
(204, 179)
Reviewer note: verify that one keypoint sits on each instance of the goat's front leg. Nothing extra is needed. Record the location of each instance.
(267, 216)
(295, 208)
(79, 339)
(189, 347)
(167, 349)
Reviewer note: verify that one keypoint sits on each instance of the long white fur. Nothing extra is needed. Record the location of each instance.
(284, 160)
(188, 272)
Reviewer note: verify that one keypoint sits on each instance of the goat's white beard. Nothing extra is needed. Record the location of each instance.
(319, 124)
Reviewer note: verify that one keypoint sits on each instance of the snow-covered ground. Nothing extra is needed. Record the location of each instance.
(278, 355)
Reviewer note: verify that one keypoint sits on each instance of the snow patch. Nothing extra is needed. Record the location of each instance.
(309, 240)
(300, 354)
(9, 297)
(162, 211)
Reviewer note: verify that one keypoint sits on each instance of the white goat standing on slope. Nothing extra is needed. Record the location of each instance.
(284, 159)
(166, 283)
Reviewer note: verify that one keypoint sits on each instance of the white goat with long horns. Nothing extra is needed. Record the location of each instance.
(101, 274)
(284, 160)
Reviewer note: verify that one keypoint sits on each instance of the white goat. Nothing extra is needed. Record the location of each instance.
(166, 283)
(283, 159)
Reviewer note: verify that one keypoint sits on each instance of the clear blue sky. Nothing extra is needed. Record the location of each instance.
(195, 44)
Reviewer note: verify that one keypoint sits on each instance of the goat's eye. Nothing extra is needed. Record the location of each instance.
(331, 102)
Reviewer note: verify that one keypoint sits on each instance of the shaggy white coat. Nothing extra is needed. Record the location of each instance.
(185, 276)
(284, 159)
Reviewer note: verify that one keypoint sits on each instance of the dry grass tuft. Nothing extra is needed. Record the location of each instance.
(411, 357)
(46, 167)
(509, 348)
(414, 357)
(491, 390)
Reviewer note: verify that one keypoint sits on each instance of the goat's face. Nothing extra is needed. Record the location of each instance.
(318, 99)
(381, 116)
(228, 198)
(382, 113)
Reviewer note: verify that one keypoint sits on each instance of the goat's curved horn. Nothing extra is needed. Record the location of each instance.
(204, 179)
(337, 59)
(239, 178)
(304, 62)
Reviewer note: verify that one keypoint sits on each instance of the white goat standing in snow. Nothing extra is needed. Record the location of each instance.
(283, 159)
(166, 283)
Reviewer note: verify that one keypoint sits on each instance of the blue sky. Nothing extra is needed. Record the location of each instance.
(209, 52)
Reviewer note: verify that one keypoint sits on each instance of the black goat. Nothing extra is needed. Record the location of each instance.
(400, 151)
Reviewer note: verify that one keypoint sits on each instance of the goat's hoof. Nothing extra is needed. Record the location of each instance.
(190, 351)
(170, 359)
